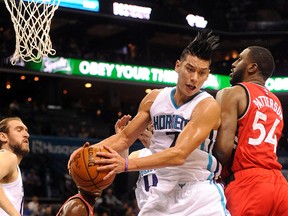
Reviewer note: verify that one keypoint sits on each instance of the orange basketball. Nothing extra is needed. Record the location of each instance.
(84, 171)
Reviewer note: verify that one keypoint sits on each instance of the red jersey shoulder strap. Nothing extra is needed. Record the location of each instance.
(89, 207)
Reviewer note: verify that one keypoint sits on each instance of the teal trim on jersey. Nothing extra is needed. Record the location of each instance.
(210, 161)
(172, 98)
(202, 146)
(222, 197)
(173, 101)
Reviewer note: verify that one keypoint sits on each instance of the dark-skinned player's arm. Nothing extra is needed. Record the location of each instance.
(231, 103)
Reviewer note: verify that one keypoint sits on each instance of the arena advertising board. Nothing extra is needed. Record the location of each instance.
(133, 73)
(88, 5)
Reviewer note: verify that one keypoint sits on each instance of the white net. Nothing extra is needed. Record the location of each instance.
(32, 21)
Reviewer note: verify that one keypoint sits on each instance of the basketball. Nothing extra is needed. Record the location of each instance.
(84, 172)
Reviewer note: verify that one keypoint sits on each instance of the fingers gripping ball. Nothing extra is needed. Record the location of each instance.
(84, 171)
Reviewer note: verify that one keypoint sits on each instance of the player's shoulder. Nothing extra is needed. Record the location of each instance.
(229, 93)
(230, 89)
(7, 156)
(155, 92)
(75, 207)
(150, 97)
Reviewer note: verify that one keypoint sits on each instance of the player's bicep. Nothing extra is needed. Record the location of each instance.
(204, 119)
(229, 114)
(7, 164)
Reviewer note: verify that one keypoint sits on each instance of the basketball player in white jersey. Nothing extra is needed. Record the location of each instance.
(14, 144)
(146, 178)
(185, 121)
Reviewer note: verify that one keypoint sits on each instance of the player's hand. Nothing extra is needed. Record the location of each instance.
(112, 161)
(121, 123)
(145, 138)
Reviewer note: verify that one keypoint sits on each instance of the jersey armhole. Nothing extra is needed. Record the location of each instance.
(248, 100)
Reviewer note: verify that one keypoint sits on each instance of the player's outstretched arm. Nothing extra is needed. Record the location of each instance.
(205, 117)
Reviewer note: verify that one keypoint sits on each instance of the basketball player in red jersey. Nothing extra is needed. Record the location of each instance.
(81, 204)
(255, 115)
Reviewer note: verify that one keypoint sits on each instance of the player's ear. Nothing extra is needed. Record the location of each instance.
(3, 136)
(253, 67)
(177, 66)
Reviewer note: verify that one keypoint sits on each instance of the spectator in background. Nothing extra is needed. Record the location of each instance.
(47, 210)
(34, 205)
(14, 108)
(26, 210)
(112, 202)
(33, 183)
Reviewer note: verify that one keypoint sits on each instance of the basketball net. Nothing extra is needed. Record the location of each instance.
(32, 21)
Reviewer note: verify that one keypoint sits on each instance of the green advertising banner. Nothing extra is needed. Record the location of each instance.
(133, 73)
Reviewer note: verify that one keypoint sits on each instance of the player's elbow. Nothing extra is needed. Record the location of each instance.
(180, 161)
(221, 156)
(178, 158)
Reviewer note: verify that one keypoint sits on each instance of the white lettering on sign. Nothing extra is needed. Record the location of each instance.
(129, 72)
(196, 21)
(52, 65)
(133, 11)
(166, 76)
(94, 68)
(277, 84)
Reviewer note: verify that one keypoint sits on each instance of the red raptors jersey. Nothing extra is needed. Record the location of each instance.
(90, 209)
(259, 130)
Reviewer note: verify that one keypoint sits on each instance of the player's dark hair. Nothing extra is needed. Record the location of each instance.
(264, 59)
(202, 46)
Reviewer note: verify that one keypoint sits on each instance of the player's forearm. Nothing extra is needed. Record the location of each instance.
(168, 157)
(224, 145)
(116, 142)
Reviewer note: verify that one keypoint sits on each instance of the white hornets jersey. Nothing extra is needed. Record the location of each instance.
(146, 179)
(169, 120)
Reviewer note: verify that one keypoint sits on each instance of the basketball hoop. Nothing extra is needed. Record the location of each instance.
(32, 21)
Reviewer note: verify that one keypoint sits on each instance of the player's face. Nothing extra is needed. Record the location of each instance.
(17, 136)
(238, 68)
(192, 73)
